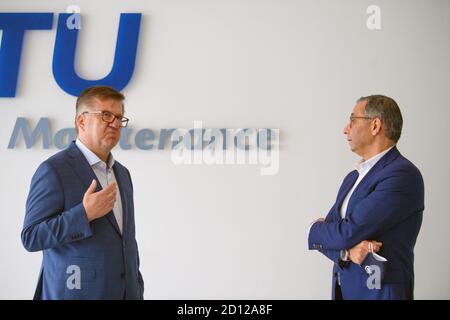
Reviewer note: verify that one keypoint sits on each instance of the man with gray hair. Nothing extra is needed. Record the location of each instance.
(371, 230)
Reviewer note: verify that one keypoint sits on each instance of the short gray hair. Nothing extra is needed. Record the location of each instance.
(387, 110)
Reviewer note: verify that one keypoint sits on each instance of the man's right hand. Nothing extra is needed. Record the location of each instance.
(98, 204)
(358, 253)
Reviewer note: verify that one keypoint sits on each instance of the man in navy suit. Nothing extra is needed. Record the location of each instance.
(379, 206)
(80, 210)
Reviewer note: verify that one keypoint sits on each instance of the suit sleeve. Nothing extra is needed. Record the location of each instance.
(140, 278)
(333, 255)
(393, 200)
(48, 223)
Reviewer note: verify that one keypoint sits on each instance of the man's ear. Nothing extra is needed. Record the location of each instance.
(79, 120)
(376, 126)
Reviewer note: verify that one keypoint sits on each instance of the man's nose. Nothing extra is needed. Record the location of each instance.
(347, 128)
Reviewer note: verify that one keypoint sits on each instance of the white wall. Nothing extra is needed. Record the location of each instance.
(226, 231)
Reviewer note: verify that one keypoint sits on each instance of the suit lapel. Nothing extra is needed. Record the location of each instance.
(349, 182)
(82, 168)
(84, 171)
(121, 178)
(383, 162)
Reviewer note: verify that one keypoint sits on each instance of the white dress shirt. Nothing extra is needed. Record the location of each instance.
(105, 175)
(363, 167)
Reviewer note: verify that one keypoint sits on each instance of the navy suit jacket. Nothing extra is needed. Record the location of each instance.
(387, 206)
(56, 224)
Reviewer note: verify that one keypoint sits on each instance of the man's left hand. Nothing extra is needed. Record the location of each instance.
(358, 253)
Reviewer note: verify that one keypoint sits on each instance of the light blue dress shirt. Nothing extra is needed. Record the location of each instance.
(105, 175)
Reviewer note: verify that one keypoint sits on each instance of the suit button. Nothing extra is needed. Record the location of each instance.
(122, 275)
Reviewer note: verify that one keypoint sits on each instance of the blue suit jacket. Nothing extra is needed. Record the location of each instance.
(56, 223)
(387, 206)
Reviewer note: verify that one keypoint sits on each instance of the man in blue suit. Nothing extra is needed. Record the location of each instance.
(379, 206)
(80, 210)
